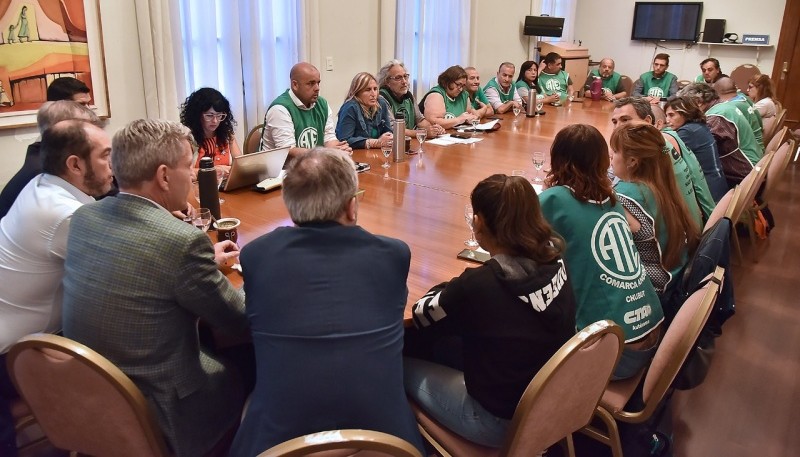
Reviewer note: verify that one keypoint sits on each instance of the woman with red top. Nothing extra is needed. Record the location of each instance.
(208, 115)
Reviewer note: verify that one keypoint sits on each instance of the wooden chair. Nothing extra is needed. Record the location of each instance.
(559, 400)
(627, 84)
(678, 341)
(775, 171)
(777, 140)
(744, 206)
(683, 83)
(82, 401)
(720, 210)
(253, 139)
(741, 75)
(350, 442)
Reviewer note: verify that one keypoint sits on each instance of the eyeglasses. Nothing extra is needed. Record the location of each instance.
(211, 116)
(399, 78)
(359, 195)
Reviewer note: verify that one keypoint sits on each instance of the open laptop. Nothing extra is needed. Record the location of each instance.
(264, 169)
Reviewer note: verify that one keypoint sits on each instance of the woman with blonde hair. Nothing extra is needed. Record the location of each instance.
(364, 116)
(607, 274)
(663, 229)
(510, 316)
(759, 88)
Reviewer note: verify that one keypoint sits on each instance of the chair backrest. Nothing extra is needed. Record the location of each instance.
(741, 75)
(350, 440)
(563, 395)
(81, 400)
(769, 127)
(777, 167)
(749, 187)
(776, 140)
(627, 83)
(720, 210)
(252, 140)
(683, 83)
(678, 341)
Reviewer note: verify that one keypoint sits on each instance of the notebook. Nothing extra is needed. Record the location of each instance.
(264, 169)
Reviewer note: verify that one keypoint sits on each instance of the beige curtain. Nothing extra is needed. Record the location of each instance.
(158, 22)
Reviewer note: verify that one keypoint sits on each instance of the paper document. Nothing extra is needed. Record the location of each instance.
(447, 140)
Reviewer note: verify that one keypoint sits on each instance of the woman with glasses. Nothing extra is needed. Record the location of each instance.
(760, 90)
(663, 229)
(603, 263)
(447, 104)
(395, 84)
(364, 117)
(208, 115)
(510, 316)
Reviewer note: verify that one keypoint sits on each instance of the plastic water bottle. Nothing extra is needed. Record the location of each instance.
(597, 88)
(399, 133)
(208, 186)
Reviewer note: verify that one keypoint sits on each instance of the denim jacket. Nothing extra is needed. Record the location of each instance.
(355, 128)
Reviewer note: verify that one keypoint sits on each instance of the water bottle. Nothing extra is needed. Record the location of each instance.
(597, 88)
(399, 133)
(208, 186)
(531, 108)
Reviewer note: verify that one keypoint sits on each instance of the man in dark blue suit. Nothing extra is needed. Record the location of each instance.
(325, 301)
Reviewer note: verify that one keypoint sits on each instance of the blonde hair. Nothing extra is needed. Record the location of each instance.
(359, 83)
(145, 144)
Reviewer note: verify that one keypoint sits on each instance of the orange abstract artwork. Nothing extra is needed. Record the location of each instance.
(40, 40)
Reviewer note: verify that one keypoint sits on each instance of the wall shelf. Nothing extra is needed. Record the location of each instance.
(739, 45)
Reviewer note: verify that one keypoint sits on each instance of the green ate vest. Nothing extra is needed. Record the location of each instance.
(753, 118)
(646, 201)
(744, 133)
(702, 193)
(479, 95)
(611, 83)
(504, 96)
(607, 274)
(652, 87)
(452, 107)
(551, 84)
(309, 125)
(405, 107)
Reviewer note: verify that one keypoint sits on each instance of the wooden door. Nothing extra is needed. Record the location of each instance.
(786, 72)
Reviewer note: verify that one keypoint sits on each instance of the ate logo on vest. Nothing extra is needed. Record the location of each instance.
(308, 138)
(402, 111)
(613, 248)
(655, 92)
(553, 85)
(449, 116)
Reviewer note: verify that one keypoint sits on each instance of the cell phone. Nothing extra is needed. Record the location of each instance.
(474, 256)
(463, 136)
(494, 117)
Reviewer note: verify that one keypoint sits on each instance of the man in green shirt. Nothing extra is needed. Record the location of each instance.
(657, 84)
(611, 81)
(710, 71)
(478, 99)
(299, 118)
(500, 90)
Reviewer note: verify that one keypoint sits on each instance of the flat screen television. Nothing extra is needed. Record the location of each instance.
(670, 21)
(544, 26)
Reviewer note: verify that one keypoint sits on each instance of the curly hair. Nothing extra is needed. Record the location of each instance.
(198, 103)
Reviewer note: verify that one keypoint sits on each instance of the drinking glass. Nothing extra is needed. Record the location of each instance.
(386, 149)
(516, 112)
(475, 123)
(538, 163)
(202, 219)
(222, 177)
(468, 215)
(422, 134)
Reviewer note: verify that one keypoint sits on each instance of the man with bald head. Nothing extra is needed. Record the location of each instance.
(299, 118)
(611, 81)
(726, 89)
(500, 90)
(49, 114)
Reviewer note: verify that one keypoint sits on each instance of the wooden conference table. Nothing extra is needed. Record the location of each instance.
(421, 200)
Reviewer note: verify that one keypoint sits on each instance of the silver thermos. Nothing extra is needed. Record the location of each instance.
(399, 133)
(532, 111)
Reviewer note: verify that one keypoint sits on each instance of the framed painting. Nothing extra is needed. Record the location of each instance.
(41, 40)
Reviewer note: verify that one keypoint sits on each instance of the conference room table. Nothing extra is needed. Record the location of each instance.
(421, 200)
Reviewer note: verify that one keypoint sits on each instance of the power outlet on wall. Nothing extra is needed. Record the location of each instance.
(329, 63)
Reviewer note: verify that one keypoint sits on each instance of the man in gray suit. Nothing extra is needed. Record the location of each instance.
(138, 279)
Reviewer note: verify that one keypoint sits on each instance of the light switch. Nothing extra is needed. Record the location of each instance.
(329, 63)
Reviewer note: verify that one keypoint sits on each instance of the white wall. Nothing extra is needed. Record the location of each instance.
(123, 73)
(605, 29)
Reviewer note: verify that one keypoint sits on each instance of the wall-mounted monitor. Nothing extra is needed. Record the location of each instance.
(667, 21)
(544, 26)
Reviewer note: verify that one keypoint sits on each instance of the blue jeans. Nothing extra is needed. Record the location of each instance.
(441, 392)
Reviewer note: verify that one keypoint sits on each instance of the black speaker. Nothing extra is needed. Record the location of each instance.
(714, 30)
